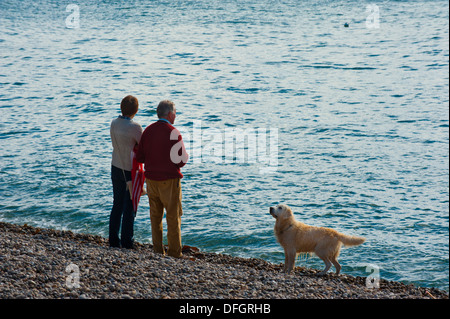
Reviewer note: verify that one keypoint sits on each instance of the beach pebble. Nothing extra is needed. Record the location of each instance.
(34, 264)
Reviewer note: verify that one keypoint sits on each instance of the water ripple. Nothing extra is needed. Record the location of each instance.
(361, 116)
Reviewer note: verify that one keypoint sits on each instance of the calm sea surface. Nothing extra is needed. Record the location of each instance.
(359, 117)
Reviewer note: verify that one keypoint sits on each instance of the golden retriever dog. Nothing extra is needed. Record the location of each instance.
(296, 237)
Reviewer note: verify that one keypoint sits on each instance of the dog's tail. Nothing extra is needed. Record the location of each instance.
(351, 240)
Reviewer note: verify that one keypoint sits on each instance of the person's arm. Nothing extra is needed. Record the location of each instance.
(177, 147)
(140, 154)
(138, 134)
(184, 154)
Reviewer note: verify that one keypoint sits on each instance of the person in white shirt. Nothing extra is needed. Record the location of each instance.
(125, 135)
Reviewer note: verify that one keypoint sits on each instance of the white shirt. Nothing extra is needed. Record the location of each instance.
(125, 134)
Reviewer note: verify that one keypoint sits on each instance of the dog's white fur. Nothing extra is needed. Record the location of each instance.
(296, 237)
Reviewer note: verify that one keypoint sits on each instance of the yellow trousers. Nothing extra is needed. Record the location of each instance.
(165, 194)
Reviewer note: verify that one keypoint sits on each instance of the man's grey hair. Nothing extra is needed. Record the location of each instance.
(164, 108)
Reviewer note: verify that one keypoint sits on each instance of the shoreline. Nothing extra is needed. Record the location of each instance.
(38, 263)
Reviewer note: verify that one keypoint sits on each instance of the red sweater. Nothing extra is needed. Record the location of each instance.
(162, 152)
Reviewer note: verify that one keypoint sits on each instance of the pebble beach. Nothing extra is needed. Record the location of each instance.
(37, 263)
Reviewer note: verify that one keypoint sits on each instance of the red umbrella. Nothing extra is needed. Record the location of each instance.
(138, 178)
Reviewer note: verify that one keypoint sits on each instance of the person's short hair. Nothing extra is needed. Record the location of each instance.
(129, 105)
(164, 108)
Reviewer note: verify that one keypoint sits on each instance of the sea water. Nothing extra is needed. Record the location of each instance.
(348, 101)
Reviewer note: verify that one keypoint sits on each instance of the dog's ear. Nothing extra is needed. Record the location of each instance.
(287, 212)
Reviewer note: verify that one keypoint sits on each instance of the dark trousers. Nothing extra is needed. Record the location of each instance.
(122, 210)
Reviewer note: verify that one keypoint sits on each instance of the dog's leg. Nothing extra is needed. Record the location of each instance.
(336, 264)
(285, 261)
(327, 265)
(289, 261)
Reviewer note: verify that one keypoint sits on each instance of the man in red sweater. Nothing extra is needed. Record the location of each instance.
(163, 153)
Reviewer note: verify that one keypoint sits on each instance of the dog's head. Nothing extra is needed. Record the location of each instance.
(280, 211)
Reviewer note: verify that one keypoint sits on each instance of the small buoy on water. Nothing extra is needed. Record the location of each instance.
(346, 25)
